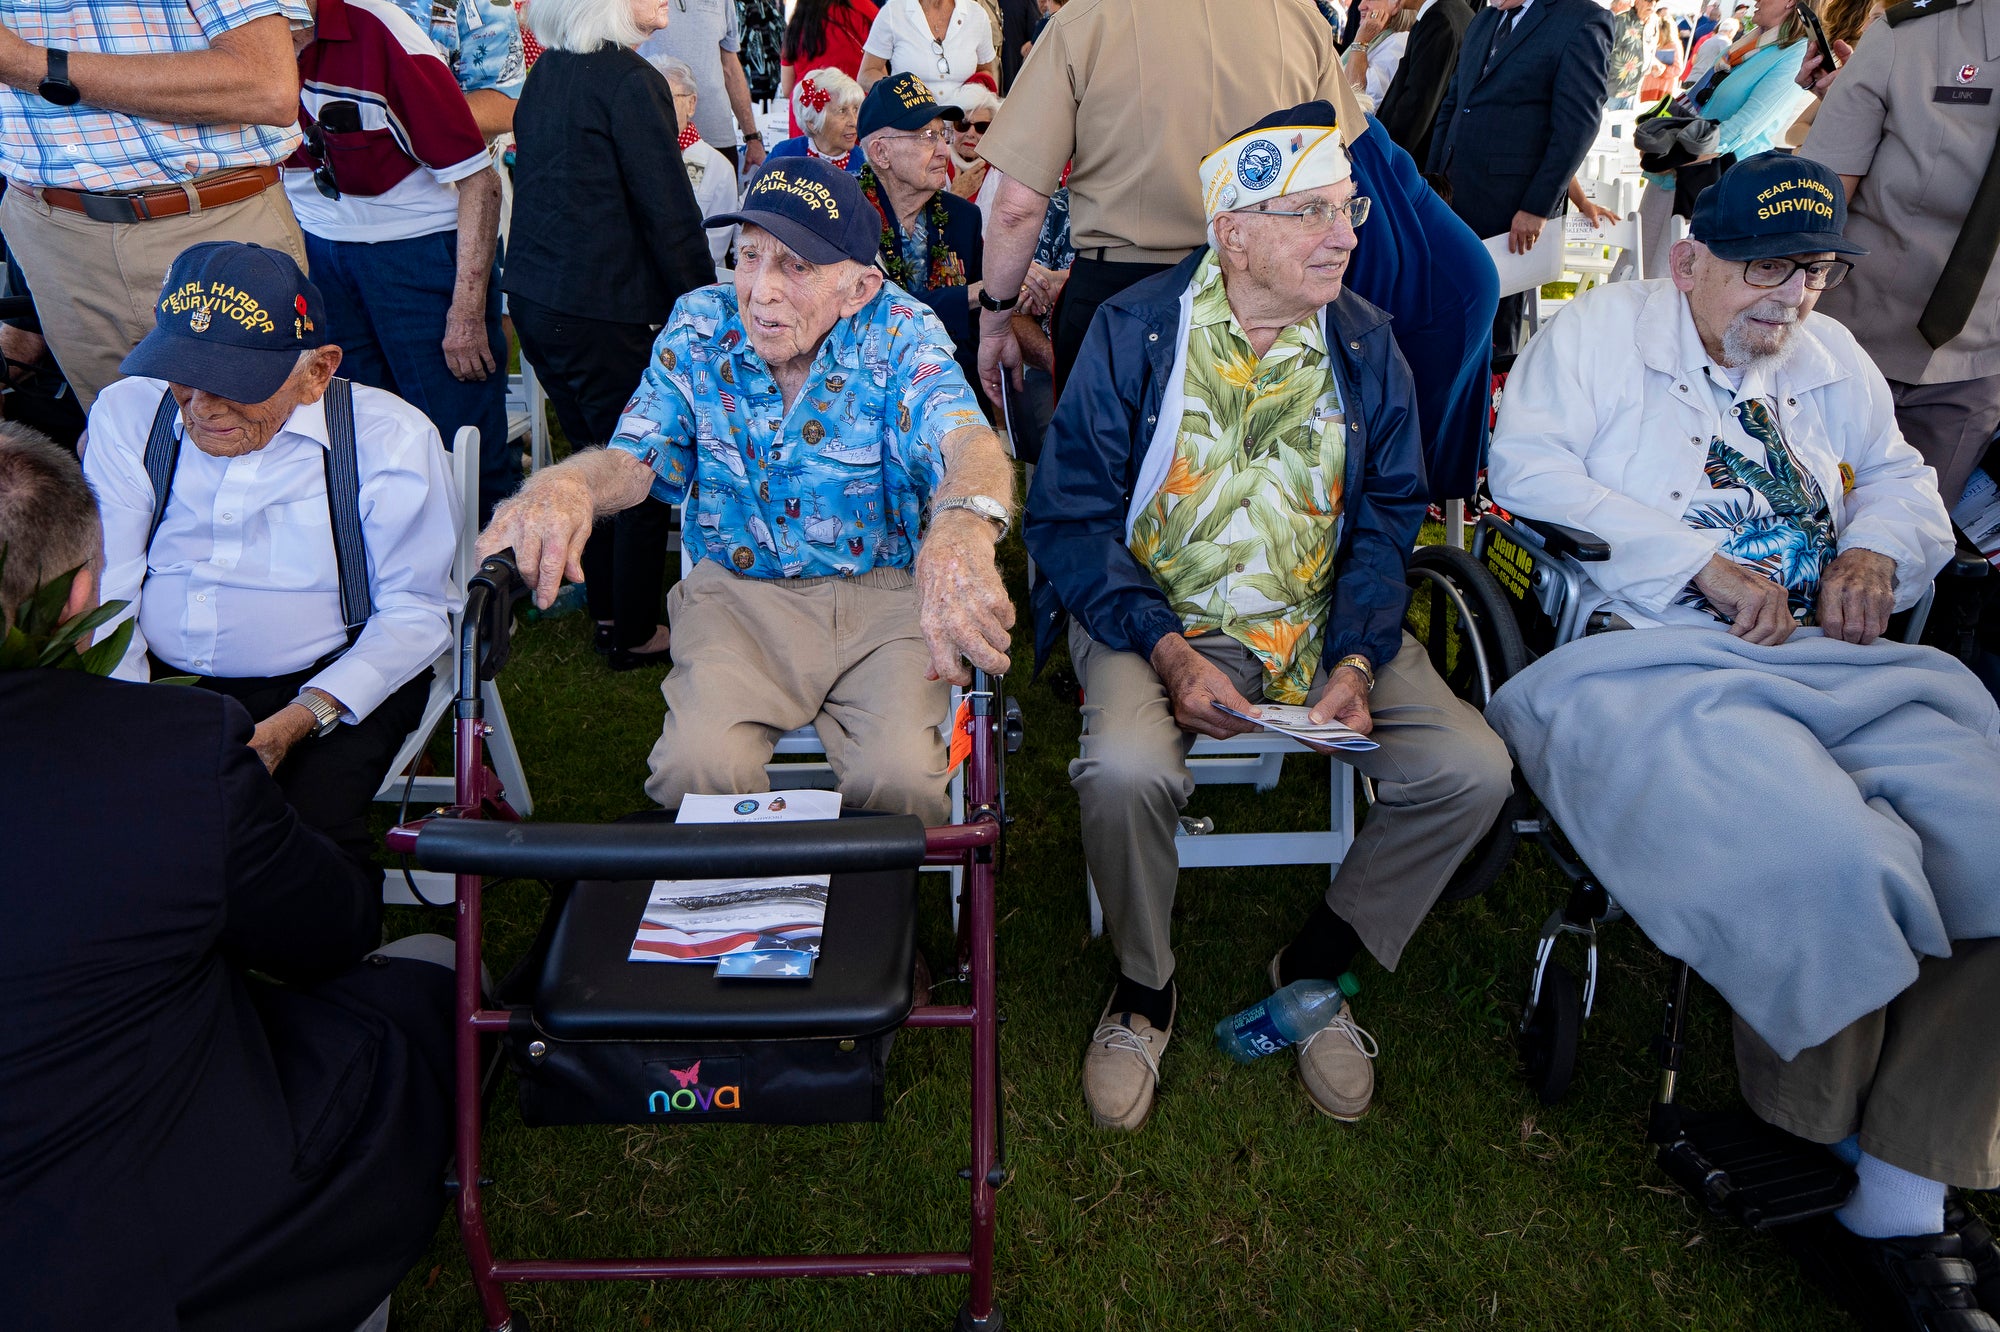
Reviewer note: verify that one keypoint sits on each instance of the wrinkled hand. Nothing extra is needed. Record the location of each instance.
(1857, 595)
(467, 354)
(276, 734)
(961, 602)
(967, 182)
(1526, 230)
(1596, 214)
(546, 523)
(1042, 289)
(753, 153)
(1345, 701)
(24, 349)
(1815, 79)
(1196, 685)
(1758, 607)
(999, 352)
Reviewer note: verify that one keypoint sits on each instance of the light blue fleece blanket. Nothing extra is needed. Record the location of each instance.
(1798, 823)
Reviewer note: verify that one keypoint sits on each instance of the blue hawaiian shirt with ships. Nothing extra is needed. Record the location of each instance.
(835, 486)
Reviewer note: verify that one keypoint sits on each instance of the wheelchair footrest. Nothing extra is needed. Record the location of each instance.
(1764, 1177)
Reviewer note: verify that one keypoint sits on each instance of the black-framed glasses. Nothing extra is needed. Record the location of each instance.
(323, 180)
(1319, 216)
(1821, 274)
(974, 126)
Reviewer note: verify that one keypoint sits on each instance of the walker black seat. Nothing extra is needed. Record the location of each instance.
(861, 983)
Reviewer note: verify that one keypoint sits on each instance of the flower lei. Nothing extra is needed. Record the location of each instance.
(688, 136)
(946, 269)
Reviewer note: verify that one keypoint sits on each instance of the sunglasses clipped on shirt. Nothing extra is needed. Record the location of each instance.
(322, 169)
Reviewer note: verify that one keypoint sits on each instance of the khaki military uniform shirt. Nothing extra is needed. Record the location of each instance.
(1137, 92)
(1915, 113)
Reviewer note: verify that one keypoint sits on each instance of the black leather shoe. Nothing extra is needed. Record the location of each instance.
(1980, 1251)
(1914, 1283)
(605, 640)
(624, 659)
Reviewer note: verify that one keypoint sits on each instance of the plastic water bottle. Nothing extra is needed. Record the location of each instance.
(1286, 1018)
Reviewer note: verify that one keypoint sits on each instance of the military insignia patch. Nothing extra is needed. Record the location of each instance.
(813, 432)
(200, 321)
(743, 557)
(667, 359)
(835, 383)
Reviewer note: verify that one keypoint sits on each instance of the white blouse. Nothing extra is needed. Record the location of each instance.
(901, 35)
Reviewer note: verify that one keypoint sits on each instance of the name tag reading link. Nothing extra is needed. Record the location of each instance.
(1962, 96)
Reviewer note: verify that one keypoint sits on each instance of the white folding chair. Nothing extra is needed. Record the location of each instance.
(527, 405)
(500, 748)
(1256, 759)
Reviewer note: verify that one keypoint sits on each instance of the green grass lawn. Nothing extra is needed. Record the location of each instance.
(1459, 1202)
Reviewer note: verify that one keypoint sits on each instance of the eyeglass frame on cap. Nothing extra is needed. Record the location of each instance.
(315, 146)
(1830, 276)
(1354, 210)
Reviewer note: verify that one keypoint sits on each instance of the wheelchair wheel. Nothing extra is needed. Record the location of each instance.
(1462, 618)
(1548, 1042)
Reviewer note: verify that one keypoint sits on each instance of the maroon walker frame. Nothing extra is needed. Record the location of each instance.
(973, 845)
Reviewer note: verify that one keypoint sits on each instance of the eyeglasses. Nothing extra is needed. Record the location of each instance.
(1320, 216)
(931, 137)
(323, 179)
(944, 61)
(1821, 274)
(974, 126)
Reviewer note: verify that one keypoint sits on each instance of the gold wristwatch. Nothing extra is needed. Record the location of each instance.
(1361, 664)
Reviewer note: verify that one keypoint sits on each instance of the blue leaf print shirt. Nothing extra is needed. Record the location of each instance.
(838, 484)
(479, 39)
(1776, 518)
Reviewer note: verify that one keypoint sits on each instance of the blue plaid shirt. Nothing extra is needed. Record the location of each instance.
(480, 40)
(835, 486)
(84, 148)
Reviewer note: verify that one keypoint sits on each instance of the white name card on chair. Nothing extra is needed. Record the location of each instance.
(1526, 272)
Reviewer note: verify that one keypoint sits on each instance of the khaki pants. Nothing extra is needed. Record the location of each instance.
(1919, 1080)
(1951, 425)
(1440, 778)
(96, 284)
(757, 657)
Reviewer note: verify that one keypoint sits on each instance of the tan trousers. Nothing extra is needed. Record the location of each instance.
(96, 284)
(1440, 778)
(1919, 1080)
(757, 657)
(1951, 425)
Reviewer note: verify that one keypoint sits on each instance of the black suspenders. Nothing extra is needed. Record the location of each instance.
(343, 494)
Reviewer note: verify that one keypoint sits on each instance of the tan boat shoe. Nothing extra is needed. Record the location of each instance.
(1121, 1069)
(1337, 1063)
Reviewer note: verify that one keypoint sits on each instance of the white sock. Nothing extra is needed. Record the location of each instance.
(1889, 1201)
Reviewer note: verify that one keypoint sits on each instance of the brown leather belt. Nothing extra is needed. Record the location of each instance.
(224, 187)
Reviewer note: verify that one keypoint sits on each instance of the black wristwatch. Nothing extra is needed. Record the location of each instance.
(986, 301)
(56, 87)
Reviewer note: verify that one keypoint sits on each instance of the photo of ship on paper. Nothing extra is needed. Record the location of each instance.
(700, 920)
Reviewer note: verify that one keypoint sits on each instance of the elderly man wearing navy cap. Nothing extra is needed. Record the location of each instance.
(930, 238)
(844, 496)
(1813, 817)
(284, 536)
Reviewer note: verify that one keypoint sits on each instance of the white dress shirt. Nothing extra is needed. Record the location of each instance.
(1606, 425)
(241, 580)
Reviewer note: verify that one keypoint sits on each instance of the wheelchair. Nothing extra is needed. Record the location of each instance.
(592, 1037)
(1482, 615)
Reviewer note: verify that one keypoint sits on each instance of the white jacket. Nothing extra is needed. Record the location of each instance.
(1605, 425)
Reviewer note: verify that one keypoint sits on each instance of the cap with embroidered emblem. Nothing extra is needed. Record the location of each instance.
(814, 208)
(231, 320)
(900, 102)
(1773, 205)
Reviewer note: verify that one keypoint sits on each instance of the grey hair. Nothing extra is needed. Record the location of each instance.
(48, 516)
(839, 87)
(582, 26)
(679, 73)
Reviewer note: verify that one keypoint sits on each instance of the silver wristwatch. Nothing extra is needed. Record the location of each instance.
(328, 715)
(983, 505)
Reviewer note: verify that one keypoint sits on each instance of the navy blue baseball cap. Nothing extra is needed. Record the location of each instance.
(900, 102)
(231, 321)
(1772, 205)
(816, 209)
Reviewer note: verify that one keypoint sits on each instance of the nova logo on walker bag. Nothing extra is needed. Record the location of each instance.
(694, 1086)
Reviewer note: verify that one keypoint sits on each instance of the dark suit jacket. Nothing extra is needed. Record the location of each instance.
(963, 238)
(154, 1129)
(1409, 107)
(1510, 142)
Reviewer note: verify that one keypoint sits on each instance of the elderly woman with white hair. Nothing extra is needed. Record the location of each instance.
(977, 105)
(712, 175)
(826, 104)
(606, 236)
